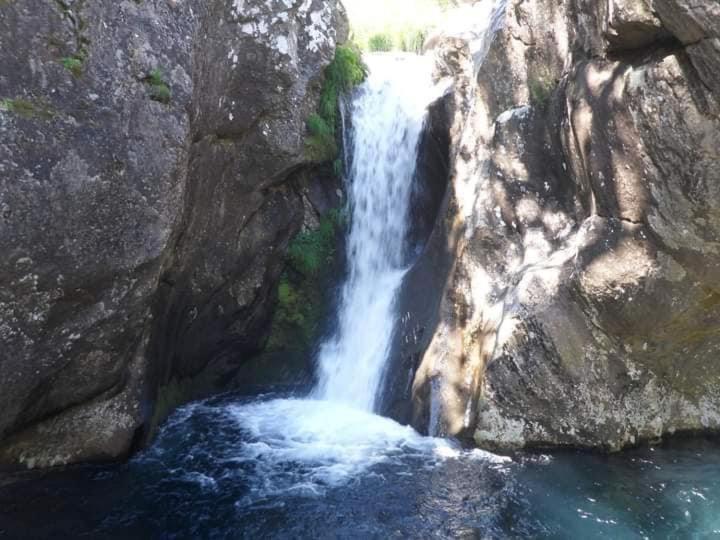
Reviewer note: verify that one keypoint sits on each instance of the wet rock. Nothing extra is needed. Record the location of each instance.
(145, 204)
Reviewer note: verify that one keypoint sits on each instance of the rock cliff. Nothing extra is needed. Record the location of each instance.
(152, 172)
(576, 260)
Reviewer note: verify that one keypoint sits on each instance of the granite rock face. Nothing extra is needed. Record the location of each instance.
(150, 163)
(578, 252)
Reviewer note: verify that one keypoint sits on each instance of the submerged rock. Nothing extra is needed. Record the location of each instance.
(577, 302)
(149, 162)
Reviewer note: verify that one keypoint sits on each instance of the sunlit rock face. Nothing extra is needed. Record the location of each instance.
(149, 158)
(580, 244)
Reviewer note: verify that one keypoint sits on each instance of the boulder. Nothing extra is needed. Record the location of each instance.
(579, 306)
(149, 156)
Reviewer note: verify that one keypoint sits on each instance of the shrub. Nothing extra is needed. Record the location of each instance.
(380, 43)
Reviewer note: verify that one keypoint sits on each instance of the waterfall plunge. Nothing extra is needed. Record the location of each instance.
(301, 446)
(388, 116)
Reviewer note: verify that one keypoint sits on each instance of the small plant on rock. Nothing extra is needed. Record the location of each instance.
(541, 86)
(302, 291)
(73, 64)
(320, 145)
(26, 109)
(159, 89)
(346, 71)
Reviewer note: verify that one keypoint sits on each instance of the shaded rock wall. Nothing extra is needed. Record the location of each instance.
(149, 160)
(581, 306)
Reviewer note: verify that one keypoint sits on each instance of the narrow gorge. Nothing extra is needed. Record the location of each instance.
(282, 269)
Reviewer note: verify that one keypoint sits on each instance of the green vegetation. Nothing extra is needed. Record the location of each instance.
(25, 108)
(385, 25)
(540, 89)
(72, 11)
(541, 84)
(321, 144)
(301, 294)
(159, 89)
(346, 71)
(380, 43)
(73, 64)
(414, 40)
(309, 251)
(407, 40)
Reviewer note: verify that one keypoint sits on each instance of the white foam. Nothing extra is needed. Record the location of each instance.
(302, 447)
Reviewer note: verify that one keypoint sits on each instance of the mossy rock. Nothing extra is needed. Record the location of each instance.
(26, 109)
(302, 299)
(345, 72)
(159, 89)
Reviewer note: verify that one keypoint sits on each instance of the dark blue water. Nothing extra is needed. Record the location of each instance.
(220, 469)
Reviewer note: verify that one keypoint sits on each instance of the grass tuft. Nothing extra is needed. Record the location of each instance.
(159, 89)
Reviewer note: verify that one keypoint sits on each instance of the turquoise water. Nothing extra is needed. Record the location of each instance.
(218, 471)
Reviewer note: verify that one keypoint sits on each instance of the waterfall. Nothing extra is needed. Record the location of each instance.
(388, 116)
(301, 446)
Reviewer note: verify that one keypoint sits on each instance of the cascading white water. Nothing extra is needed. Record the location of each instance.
(301, 446)
(387, 121)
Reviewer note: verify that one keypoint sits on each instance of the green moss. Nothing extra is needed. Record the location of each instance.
(540, 88)
(297, 316)
(311, 251)
(73, 64)
(161, 93)
(338, 167)
(301, 298)
(159, 89)
(320, 145)
(72, 11)
(155, 78)
(346, 71)
(711, 300)
(26, 109)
